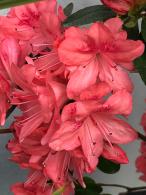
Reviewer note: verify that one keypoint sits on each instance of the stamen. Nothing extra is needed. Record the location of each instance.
(48, 67)
(41, 44)
(92, 150)
(28, 118)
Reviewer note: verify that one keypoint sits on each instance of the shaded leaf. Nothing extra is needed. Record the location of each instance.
(108, 166)
(140, 64)
(68, 9)
(10, 3)
(91, 187)
(89, 15)
(143, 29)
(133, 33)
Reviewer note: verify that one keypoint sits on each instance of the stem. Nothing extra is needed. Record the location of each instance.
(3, 131)
(9, 112)
(115, 185)
(141, 136)
(137, 189)
(129, 189)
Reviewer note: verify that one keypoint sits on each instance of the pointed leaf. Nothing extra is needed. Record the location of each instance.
(140, 65)
(68, 9)
(107, 166)
(89, 15)
(10, 3)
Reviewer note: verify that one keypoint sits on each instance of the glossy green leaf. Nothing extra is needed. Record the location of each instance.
(68, 9)
(10, 3)
(107, 166)
(89, 15)
(143, 29)
(91, 188)
(140, 65)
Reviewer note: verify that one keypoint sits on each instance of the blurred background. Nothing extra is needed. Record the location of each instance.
(10, 173)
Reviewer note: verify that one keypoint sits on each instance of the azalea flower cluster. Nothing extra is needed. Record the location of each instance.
(71, 85)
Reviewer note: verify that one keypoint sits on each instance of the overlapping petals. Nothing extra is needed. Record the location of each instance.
(99, 53)
(74, 94)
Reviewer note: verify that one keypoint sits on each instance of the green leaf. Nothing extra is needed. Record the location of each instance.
(140, 64)
(143, 29)
(68, 9)
(10, 3)
(133, 33)
(91, 188)
(107, 166)
(89, 15)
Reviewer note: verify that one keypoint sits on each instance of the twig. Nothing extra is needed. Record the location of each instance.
(141, 136)
(129, 189)
(3, 131)
(9, 112)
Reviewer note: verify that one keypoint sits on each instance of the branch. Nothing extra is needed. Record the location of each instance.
(129, 189)
(9, 112)
(141, 136)
(3, 131)
(115, 185)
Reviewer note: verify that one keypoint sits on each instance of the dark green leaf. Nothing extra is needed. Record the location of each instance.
(68, 9)
(107, 166)
(91, 187)
(143, 29)
(10, 3)
(89, 15)
(133, 33)
(140, 65)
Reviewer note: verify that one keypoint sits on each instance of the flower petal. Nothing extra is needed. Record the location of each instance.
(86, 74)
(115, 154)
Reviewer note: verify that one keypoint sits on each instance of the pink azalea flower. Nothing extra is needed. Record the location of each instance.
(88, 123)
(98, 52)
(119, 6)
(36, 99)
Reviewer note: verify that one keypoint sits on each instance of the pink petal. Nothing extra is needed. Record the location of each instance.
(96, 30)
(92, 142)
(66, 138)
(75, 50)
(126, 51)
(114, 129)
(115, 154)
(96, 91)
(9, 53)
(87, 74)
(114, 102)
(121, 80)
(115, 26)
